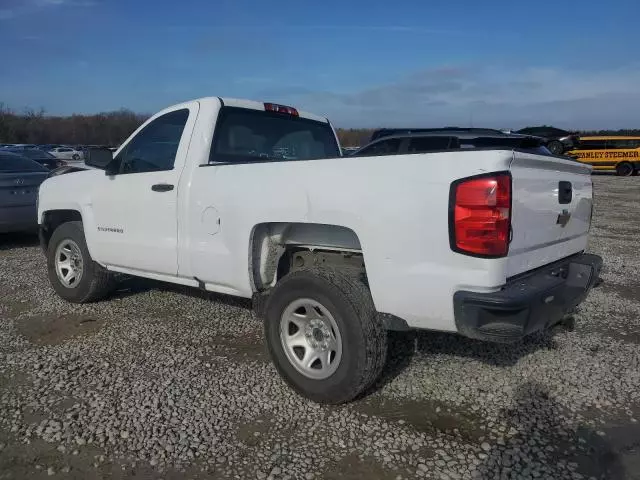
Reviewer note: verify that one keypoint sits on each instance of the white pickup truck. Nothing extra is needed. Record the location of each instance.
(254, 200)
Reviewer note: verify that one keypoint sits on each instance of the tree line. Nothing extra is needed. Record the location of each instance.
(112, 128)
(108, 128)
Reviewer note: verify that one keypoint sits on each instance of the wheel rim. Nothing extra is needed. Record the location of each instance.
(556, 148)
(69, 264)
(310, 338)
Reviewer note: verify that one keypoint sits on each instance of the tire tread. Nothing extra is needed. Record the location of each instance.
(101, 280)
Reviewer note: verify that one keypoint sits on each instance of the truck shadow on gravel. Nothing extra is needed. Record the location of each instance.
(546, 445)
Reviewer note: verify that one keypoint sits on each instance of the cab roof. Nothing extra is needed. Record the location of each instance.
(254, 105)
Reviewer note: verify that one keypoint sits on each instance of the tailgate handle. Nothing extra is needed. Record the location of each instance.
(565, 192)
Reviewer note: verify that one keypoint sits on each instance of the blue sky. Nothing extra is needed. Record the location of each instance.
(573, 64)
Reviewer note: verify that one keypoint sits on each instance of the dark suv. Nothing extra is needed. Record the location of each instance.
(404, 141)
(558, 141)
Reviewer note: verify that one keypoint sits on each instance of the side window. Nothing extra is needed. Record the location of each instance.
(622, 144)
(430, 144)
(383, 147)
(615, 144)
(556, 132)
(592, 145)
(536, 131)
(154, 148)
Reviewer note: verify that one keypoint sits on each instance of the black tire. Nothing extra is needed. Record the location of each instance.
(364, 339)
(95, 283)
(555, 147)
(75, 156)
(624, 169)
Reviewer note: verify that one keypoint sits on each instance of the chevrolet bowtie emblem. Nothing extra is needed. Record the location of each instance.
(563, 218)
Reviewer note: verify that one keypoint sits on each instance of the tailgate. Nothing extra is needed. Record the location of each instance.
(551, 210)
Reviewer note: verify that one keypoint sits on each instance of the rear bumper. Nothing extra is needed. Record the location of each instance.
(20, 218)
(532, 302)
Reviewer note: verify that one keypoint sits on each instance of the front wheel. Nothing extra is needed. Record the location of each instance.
(323, 334)
(624, 169)
(75, 157)
(72, 272)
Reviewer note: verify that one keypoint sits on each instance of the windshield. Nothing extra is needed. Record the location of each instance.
(16, 163)
(253, 135)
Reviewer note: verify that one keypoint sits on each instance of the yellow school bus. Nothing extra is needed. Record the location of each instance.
(618, 154)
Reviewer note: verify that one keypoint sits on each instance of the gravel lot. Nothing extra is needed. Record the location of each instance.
(165, 382)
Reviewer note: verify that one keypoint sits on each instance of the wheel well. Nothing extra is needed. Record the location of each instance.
(53, 219)
(277, 248)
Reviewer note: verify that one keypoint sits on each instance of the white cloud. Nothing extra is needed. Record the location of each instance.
(488, 95)
(50, 2)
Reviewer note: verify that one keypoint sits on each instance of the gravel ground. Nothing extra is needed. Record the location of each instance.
(165, 382)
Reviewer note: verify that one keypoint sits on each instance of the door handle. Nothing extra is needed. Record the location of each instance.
(162, 187)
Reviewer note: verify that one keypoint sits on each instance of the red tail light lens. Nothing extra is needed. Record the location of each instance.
(481, 215)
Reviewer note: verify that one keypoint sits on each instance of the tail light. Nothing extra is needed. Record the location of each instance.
(274, 107)
(480, 215)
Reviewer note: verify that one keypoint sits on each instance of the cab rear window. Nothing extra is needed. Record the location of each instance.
(246, 135)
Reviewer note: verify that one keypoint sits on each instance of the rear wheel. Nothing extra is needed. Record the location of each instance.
(324, 335)
(72, 272)
(555, 147)
(624, 169)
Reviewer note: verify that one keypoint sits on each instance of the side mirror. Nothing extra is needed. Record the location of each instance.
(99, 158)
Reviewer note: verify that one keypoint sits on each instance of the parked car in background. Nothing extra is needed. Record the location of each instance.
(70, 168)
(557, 140)
(43, 158)
(610, 153)
(406, 141)
(349, 150)
(20, 146)
(67, 153)
(387, 132)
(19, 182)
(49, 146)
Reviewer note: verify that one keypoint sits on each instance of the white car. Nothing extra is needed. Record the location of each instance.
(67, 153)
(254, 200)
